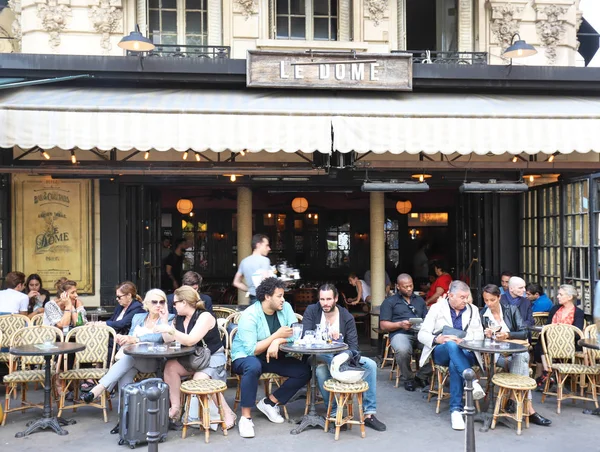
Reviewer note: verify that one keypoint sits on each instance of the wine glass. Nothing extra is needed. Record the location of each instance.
(297, 329)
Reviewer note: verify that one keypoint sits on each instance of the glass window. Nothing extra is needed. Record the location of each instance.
(306, 20)
(338, 246)
(181, 22)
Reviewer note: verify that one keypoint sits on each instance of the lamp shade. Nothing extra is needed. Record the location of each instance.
(185, 206)
(519, 49)
(403, 207)
(136, 42)
(299, 205)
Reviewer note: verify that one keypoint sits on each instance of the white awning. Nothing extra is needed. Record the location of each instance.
(290, 121)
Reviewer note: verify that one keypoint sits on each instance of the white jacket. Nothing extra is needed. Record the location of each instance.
(438, 317)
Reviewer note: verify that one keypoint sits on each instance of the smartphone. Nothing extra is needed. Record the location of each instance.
(415, 321)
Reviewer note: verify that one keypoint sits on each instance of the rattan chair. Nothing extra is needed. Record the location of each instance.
(299, 317)
(438, 380)
(28, 369)
(9, 324)
(268, 379)
(539, 319)
(37, 320)
(388, 354)
(558, 343)
(221, 312)
(96, 339)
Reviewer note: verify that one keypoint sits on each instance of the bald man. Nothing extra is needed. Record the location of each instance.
(515, 296)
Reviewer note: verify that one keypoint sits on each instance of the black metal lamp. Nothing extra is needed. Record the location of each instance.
(519, 48)
(136, 42)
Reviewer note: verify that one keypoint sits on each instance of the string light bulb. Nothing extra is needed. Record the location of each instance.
(73, 158)
(197, 157)
(191, 214)
(515, 159)
(185, 155)
(146, 155)
(243, 152)
(551, 158)
(45, 154)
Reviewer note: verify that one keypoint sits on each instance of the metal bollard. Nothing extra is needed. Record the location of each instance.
(153, 435)
(469, 376)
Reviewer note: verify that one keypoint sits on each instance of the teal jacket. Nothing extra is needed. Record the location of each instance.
(253, 328)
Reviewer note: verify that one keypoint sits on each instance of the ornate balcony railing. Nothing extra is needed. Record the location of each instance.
(440, 57)
(189, 51)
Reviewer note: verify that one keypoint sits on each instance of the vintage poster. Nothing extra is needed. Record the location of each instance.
(53, 229)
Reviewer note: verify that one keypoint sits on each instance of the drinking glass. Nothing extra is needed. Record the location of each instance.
(309, 336)
(297, 329)
(94, 317)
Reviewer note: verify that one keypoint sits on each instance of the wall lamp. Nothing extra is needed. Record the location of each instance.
(493, 187)
(136, 42)
(416, 187)
(519, 48)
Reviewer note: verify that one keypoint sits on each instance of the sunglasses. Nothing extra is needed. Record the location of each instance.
(118, 297)
(160, 302)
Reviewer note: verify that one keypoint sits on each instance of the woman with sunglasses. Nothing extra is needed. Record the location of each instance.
(142, 330)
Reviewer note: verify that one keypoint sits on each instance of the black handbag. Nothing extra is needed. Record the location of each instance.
(198, 360)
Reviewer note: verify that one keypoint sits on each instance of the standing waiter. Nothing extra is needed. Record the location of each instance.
(255, 267)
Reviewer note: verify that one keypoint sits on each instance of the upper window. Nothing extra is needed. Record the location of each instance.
(307, 20)
(183, 22)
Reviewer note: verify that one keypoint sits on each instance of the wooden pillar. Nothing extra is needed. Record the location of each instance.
(377, 240)
(244, 231)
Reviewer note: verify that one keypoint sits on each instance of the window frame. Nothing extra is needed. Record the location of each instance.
(309, 16)
(181, 22)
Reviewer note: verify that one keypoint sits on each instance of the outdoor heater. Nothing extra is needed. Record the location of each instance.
(493, 187)
(406, 187)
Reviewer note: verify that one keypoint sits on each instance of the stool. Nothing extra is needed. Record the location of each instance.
(203, 390)
(517, 386)
(344, 398)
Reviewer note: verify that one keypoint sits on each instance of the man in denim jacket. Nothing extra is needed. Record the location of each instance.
(262, 328)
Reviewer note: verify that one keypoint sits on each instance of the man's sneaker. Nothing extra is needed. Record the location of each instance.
(458, 423)
(375, 423)
(246, 427)
(272, 412)
(478, 392)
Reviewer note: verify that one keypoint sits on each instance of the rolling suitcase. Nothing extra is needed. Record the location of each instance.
(133, 419)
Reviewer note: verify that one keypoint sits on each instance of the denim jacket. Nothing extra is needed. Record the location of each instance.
(138, 320)
(253, 328)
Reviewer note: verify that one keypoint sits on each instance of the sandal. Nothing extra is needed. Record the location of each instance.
(87, 386)
(229, 427)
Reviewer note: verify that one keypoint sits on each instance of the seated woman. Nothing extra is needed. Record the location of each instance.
(193, 326)
(565, 312)
(508, 319)
(65, 309)
(363, 292)
(38, 296)
(142, 330)
(441, 285)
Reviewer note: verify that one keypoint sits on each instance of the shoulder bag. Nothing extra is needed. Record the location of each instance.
(198, 360)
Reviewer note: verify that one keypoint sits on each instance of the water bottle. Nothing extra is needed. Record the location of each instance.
(79, 319)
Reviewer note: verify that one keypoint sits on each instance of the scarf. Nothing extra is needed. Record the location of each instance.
(564, 315)
(512, 301)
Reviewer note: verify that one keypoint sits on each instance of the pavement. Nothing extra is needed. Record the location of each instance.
(411, 425)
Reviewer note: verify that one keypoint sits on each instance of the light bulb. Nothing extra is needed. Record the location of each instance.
(421, 178)
(73, 158)
(520, 52)
(514, 159)
(316, 216)
(232, 178)
(136, 45)
(309, 215)
(269, 215)
(243, 152)
(185, 155)
(191, 214)
(146, 155)
(46, 155)
(531, 178)
(551, 158)
(197, 157)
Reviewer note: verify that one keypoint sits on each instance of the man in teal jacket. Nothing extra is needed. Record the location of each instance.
(262, 328)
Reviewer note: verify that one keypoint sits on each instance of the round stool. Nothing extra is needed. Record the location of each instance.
(343, 393)
(517, 386)
(203, 390)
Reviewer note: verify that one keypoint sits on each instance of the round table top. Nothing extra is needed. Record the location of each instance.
(489, 347)
(148, 350)
(54, 348)
(314, 349)
(589, 343)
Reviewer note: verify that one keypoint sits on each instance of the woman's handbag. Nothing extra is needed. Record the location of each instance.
(198, 360)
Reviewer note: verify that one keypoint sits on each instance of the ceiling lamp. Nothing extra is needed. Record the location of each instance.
(185, 206)
(299, 205)
(519, 48)
(532, 177)
(398, 186)
(421, 176)
(136, 42)
(403, 207)
(493, 187)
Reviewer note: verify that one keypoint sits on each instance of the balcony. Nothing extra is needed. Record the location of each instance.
(189, 51)
(441, 57)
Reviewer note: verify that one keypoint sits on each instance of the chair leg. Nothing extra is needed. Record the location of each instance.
(361, 414)
(221, 413)
(328, 415)
(6, 403)
(186, 414)
(238, 391)
(559, 390)
(350, 404)
(385, 353)
(205, 417)
(104, 403)
(499, 403)
(519, 413)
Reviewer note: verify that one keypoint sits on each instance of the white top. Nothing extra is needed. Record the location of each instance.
(13, 302)
(366, 290)
(333, 327)
(492, 321)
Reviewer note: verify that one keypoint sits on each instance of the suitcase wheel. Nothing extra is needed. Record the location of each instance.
(121, 442)
(132, 446)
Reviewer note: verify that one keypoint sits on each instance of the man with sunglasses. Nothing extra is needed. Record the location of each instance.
(394, 318)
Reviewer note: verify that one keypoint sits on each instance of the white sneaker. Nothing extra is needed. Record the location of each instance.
(272, 412)
(458, 422)
(478, 392)
(246, 427)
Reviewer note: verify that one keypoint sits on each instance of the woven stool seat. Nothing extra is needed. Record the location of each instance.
(207, 386)
(269, 375)
(514, 381)
(333, 385)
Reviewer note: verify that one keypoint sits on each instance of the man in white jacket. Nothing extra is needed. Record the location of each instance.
(454, 313)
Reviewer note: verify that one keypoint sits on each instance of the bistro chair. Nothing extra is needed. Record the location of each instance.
(96, 339)
(299, 317)
(9, 324)
(438, 380)
(268, 378)
(539, 319)
(593, 356)
(28, 369)
(37, 320)
(558, 343)
(203, 390)
(388, 354)
(221, 312)
(516, 387)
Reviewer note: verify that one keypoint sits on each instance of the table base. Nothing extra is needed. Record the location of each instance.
(47, 422)
(309, 420)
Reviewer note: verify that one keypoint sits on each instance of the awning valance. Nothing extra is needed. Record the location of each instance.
(290, 121)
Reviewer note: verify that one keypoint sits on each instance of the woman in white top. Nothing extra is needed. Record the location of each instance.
(64, 310)
(363, 290)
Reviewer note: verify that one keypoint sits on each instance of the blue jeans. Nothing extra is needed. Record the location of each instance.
(370, 397)
(457, 360)
(250, 368)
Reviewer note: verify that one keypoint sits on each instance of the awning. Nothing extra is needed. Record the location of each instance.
(290, 121)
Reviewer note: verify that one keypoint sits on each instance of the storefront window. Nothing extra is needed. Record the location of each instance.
(550, 242)
(529, 236)
(338, 246)
(392, 245)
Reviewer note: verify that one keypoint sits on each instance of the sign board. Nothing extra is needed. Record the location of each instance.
(329, 70)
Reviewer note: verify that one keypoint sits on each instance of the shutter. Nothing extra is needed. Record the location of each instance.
(142, 16)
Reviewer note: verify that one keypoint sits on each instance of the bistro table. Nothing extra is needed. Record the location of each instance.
(493, 348)
(149, 350)
(594, 345)
(47, 351)
(312, 419)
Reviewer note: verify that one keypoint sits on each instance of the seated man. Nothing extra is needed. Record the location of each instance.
(263, 327)
(393, 318)
(538, 299)
(455, 314)
(515, 296)
(339, 321)
(12, 299)
(194, 280)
